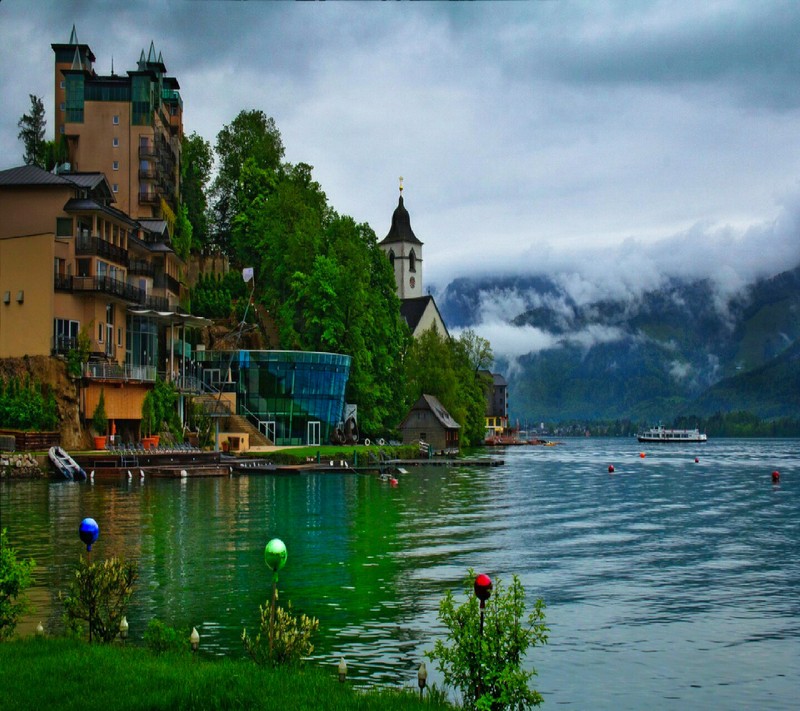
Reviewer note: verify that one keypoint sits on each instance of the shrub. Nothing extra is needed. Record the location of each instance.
(99, 417)
(291, 640)
(161, 638)
(15, 578)
(487, 670)
(99, 595)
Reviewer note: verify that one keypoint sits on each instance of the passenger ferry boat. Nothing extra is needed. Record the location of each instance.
(662, 434)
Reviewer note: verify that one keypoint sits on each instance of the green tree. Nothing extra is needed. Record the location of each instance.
(486, 668)
(196, 163)
(252, 136)
(31, 133)
(15, 578)
(291, 640)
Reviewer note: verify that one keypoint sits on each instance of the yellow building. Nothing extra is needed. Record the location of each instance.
(128, 127)
(70, 262)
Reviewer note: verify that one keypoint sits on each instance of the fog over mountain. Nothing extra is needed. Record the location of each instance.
(559, 281)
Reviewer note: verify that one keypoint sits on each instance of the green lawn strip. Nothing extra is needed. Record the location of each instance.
(69, 674)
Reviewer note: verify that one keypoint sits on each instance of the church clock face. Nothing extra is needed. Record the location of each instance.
(412, 282)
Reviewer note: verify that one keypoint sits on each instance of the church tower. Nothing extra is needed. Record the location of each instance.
(404, 251)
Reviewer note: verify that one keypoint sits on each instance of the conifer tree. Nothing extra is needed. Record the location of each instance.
(31, 133)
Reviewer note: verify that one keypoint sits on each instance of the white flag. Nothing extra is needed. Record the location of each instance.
(247, 273)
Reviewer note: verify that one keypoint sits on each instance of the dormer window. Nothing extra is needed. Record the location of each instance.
(412, 261)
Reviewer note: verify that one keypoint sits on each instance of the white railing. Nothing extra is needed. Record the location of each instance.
(115, 371)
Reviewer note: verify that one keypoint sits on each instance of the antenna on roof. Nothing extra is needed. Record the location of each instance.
(73, 38)
(401, 184)
(112, 65)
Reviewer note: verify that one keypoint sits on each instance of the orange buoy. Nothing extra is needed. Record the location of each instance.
(393, 481)
(610, 468)
(642, 455)
(776, 476)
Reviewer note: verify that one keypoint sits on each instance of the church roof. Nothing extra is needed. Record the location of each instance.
(413, 309)
(400, 231)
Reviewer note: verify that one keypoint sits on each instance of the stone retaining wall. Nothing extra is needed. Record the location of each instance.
(22, 466)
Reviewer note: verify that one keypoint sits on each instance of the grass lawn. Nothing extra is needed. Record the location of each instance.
(66, 674)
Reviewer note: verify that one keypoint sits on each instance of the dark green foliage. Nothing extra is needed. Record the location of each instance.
(15, 578)
(161, 638)
(487, 669)
(196, 164)
(99, 417)
(165, 398)
(198, 421)
(99, 595)
(31, 133)
(220, 297)
(77, 357)
(291, 641)
(27, 405)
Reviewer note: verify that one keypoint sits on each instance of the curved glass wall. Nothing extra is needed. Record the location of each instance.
(294, 397)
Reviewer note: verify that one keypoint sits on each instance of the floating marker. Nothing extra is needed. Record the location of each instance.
(696, 460)
(610, 468)
(776, 476)
(642, 455)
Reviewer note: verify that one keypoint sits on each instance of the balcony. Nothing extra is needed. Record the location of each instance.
(63, 345)
(115, 371)
(148, 173)
(164, 281)
(94, 246)
(62, 282)
(139, 267)
(107, 285)
(149, 197)
(147, 149)
(157, 303)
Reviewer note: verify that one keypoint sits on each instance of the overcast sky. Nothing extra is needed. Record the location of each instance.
(613, 142)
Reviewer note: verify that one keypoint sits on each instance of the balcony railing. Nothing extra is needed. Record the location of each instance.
(85, 245)
(146, 150)
(63, 345)
(115, 371)
(148, 173)
(107, 285)
(62, 282)
(148, 197)
(164, 281)
(157, 303)
(141, 268)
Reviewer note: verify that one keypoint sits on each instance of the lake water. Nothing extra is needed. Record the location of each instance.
(669, 584)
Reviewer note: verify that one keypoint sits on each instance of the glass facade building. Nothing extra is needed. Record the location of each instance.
(294, 397)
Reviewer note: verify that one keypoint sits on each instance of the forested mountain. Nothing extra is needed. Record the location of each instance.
(687, 347)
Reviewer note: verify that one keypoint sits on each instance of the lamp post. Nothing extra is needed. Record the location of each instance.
(342, 669)
(123, 629)
(422, 678)
(194, 639)
(483, 589)
(275, 555)
(89, 531)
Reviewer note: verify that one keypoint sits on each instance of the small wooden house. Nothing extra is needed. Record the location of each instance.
(429, 422)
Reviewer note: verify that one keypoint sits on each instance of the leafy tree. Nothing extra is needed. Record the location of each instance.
(25, 406)
(487, 668)
(182, 234)
(161, 638)
(15, 578)
(196, 164)
(99, 595)
(149, 422)
(31, 133)
(251, 136)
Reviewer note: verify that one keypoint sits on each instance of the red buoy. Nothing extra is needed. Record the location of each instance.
(696, 459)
(610, 468)
(393, 482)
(642, 455)
(776, 476)
(483, 587)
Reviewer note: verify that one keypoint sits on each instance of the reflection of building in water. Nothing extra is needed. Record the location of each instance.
(295, 397)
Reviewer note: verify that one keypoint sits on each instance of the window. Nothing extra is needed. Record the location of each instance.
(63, 106)
(119, 338)
(115, 188)
(115, 120)
(63, 84)
(115, 142)
(116, 165)
(61, 129)
(100, 329)
(412, 261)
(63, 227)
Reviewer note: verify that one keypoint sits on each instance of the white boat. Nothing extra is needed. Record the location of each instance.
(662, 434)
(65, 464)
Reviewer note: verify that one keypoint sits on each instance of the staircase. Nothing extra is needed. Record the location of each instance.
(237, 423)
